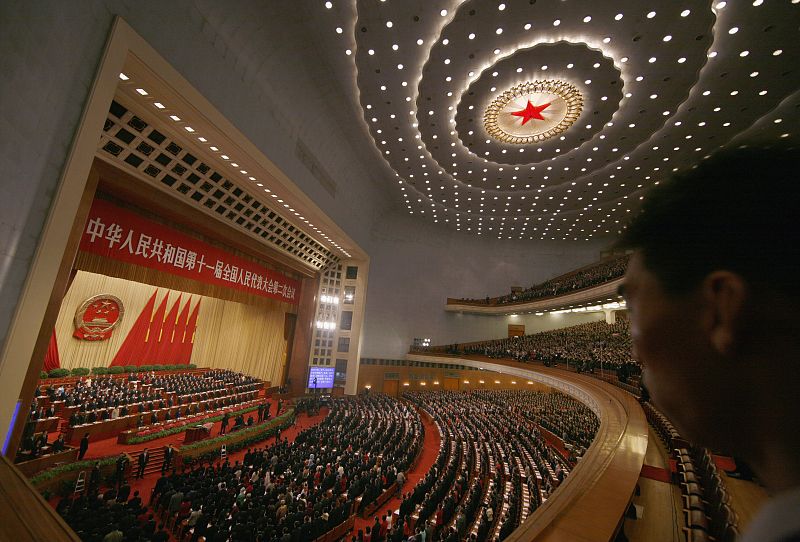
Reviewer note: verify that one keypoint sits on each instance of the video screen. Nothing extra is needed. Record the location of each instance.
(320, 377)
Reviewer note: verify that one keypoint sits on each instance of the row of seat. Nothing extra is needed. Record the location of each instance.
(669, 435)
(707, 509)
(707, 504)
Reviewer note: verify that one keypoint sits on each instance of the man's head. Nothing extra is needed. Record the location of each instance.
(712, 291)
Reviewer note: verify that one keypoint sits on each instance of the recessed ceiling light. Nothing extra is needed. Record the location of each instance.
(176, 118)
(371, 52)
(587, 18)
(471, 36)
(754, 74)
(528, 26)
(733, 30)
(399, 66)
(143, 92)
(721, 5)
(339, 30)
(667, 38)
(328, 5)
(618, 17)
(498, 31)
(123, 76)
(557, 22)
(443, 13)
(652, 59)
(624, 59)
(389, 24)
(776, 52)
(419, 42)
(606, 40)
(348, 52)
(158, 105)
(651, 14)
(395, 47)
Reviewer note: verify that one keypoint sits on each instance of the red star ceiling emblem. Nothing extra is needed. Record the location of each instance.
(531, 112)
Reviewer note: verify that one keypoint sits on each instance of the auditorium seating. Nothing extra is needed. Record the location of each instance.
(586, 277)
(331, 469)
(493, 469)
(596, 348)
(707, 508)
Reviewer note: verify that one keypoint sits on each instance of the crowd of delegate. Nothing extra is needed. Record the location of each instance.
(493, 469)
(285, 491)
(97, 399)
(591, 276)
(585, 347)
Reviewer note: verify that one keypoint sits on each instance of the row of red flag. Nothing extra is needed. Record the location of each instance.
(160, 338)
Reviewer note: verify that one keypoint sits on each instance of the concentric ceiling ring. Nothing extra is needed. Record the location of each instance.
(421, 72)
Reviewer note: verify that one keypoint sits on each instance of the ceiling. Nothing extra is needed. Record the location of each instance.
(663, 83)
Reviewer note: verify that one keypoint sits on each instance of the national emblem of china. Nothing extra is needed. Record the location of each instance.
(97, 317)
(533, 112)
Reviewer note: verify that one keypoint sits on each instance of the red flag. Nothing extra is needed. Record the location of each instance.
(188, 336)
(176, 346)
(51, 359)
(151, 347)
(132, 350)
(167, 334)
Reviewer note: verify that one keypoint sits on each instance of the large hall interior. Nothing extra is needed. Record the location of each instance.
(350, 270)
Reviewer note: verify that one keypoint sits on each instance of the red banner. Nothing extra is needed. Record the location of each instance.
(119, 234)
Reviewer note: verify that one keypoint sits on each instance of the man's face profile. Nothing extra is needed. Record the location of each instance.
(670, 340)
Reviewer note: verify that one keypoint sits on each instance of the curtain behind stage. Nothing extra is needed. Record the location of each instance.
(227, 334)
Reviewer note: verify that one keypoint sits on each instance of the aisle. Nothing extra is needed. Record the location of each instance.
(430, 449)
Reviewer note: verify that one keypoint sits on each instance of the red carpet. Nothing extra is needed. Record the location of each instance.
(655, 473)
(725, 463)
(430, 449)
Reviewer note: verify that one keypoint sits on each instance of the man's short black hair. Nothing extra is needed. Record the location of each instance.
(738, 210)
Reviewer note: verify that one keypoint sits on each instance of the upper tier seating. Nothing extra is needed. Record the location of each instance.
(586, 277)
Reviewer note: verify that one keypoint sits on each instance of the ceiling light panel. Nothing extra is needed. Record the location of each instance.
(585, 183)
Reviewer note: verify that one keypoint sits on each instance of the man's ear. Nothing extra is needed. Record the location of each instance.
(725, 294)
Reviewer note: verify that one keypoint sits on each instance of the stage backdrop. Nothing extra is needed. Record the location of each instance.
(231, 335)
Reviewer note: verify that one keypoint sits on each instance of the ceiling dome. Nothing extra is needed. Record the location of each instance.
(628, 93)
